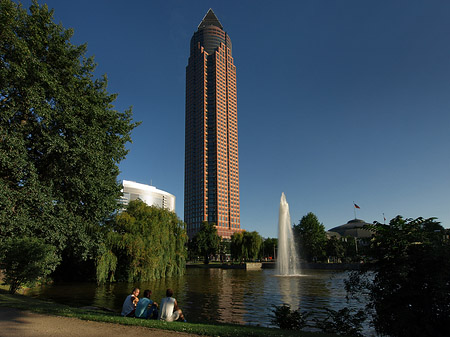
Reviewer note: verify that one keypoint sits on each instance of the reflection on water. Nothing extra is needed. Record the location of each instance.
(218, 295)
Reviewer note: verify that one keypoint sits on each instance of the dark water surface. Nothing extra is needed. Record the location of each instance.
(218, 295)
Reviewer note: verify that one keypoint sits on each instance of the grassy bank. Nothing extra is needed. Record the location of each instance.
(49, 308)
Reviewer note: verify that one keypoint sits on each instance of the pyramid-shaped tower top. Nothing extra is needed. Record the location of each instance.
(210, 19)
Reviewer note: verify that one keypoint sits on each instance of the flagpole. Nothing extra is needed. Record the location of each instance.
(354, 208)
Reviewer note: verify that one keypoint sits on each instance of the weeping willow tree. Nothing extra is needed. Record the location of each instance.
(142, 243)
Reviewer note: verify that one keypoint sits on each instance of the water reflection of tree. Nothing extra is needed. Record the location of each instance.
(104, 296)
(254, 300)
(202, 298)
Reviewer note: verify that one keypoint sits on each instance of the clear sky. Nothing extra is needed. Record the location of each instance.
(338, 101)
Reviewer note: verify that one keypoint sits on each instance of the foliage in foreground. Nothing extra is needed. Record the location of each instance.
(26, 260)
(408, 281)
(60, 137)
(288, 319)
(343, 322)
(224, 330)
(143, 243)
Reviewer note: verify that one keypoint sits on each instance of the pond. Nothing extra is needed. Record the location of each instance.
(218, 295)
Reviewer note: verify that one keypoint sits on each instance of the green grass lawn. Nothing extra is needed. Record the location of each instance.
(49, 308)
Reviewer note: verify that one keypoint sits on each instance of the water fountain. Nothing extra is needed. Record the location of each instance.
(287, 259)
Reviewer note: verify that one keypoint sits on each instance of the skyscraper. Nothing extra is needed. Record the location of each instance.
(211, 182)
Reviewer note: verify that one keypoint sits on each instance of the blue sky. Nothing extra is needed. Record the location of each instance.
(338, 101)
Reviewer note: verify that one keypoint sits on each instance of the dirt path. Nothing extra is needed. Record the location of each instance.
(15, 323)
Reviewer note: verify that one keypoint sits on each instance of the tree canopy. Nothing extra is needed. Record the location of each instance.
(143, 243)
(206, 241)
(269, 247)
(245, 245)
(311, 237)
(60, 137)
(407, 278)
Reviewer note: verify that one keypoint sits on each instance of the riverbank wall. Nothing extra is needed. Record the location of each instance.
(319, 266)
(272, 265)
(247, 266)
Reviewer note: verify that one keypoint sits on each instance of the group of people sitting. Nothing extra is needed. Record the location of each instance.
(148, 309)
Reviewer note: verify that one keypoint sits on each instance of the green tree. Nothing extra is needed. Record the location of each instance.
(26, 260)
(206, 242)
(407, 278)
(237, 246)
(245, 245)
(351, 252)
(335, 249)
(60, 138)
(311, 237)
(143, 243)
(224, 249)
(252, 242)
(269, 247)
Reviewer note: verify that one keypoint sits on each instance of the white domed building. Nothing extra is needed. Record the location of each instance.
(148, 194)
(353, 228)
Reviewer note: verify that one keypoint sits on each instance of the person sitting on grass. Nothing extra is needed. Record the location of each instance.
(146, 308)
(169, 310)
(129, 305)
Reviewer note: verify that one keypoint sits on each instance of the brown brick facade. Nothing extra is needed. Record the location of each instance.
(211, 144)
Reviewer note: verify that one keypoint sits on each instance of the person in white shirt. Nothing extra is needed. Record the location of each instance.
(169, 310)
(129, 305)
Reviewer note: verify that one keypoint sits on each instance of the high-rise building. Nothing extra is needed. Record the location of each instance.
(211, 187)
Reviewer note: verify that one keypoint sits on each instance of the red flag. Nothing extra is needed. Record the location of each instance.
(356, 206)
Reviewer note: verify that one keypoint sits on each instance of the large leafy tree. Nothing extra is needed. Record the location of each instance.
(206, 242)
(60, 137)
(407, 278)
(143, 243)
(245, 245)
(311, 237)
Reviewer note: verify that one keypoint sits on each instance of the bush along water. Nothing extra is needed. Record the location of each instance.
(346, 322)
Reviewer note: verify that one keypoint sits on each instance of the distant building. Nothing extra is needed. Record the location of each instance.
(148, 194)
(211, 181)
(353, 228)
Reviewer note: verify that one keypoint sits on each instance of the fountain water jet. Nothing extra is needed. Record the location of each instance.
(287, 259)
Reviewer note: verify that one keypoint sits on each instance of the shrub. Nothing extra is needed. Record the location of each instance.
(342, 322)
(26, 260)
(288, 319)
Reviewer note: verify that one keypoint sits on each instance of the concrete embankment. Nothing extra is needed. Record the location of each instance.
(272, 265)
(248, 266)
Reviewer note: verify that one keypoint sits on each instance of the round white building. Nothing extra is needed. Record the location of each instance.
(148, 194)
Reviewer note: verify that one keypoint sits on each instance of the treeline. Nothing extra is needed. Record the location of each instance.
(243, 246)
(311, 239)
(61, 141)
